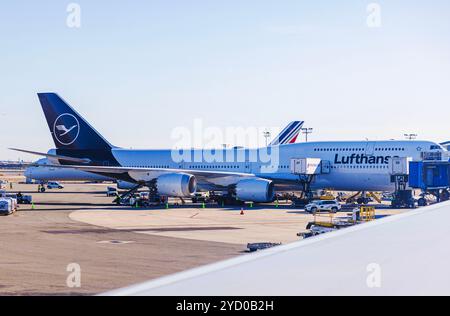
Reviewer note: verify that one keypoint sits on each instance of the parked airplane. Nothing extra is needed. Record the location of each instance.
(246, 174)
(42, 173)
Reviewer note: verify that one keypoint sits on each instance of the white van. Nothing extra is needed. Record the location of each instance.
(323, 205)
(54, 185)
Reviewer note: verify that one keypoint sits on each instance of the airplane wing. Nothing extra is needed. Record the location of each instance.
(59, 157)
(404, 254)
(221, 178)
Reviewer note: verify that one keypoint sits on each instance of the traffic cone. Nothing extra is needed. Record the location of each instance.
(276, 203)
(242, 211)
(203, 205)
(32, 206)
(167, 206)
(251, 204)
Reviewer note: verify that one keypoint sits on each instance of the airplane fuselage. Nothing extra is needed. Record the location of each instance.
(354, 165)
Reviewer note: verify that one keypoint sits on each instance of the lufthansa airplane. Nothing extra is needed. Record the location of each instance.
(38, 172)
(246, 174)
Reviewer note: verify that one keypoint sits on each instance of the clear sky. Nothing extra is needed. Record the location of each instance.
(138, 69)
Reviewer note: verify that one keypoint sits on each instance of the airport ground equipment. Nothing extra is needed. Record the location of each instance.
(7, 206)
(323, 205)
(225, 198)
(201, 197)
(403, 199)
(325, 222)
(366, 213)
(375, 197)
(111, 191)
(431, 177)
(399, 171)
(362, 197)
(342, 197)
(125, 197)
(41, 188)
(324, 195)
(307, 169)
(21, 199)
(252, 247)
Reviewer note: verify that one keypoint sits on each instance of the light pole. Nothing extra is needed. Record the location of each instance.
(306, 131)
(266, 134)
(410, 136)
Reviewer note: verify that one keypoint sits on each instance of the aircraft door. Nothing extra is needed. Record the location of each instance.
(370, 148)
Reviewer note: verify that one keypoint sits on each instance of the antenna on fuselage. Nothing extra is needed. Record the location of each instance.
(307, 131)
(410, 136)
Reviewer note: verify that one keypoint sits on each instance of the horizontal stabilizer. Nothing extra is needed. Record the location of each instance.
(59, 157)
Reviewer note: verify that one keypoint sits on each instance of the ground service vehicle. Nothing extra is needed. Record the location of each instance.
(323, 205)
(54, 185)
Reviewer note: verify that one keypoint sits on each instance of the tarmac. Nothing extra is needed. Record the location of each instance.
(117, 246)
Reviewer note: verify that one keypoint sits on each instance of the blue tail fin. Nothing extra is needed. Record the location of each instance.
(288, 135)
(69, 130)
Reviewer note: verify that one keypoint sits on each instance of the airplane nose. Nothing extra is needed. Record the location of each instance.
(28, 173)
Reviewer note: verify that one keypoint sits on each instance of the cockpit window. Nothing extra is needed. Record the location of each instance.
(433, 147)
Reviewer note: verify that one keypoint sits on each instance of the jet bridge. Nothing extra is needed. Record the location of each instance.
(432, 177)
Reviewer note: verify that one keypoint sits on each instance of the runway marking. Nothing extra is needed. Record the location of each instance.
(115, 242)
(133, 230)
(185, 229)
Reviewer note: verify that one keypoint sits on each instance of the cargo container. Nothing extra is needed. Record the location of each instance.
(7, 206)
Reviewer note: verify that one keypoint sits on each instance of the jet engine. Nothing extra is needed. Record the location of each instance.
(176, 185)
(255, 190)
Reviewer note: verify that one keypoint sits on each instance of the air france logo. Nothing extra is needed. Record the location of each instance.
(66, 129)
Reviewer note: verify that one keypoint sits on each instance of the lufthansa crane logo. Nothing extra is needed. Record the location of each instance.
(66, 129)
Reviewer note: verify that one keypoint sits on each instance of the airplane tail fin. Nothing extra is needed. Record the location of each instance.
(288, 135)
(70, 131)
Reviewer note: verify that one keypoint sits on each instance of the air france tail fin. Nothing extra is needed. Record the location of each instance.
(288, 135)
(70, 131)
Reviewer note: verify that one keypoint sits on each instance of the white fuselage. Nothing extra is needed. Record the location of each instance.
(355, 165)
(44, 174)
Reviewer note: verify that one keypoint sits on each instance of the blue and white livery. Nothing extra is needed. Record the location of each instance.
(247, 174)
